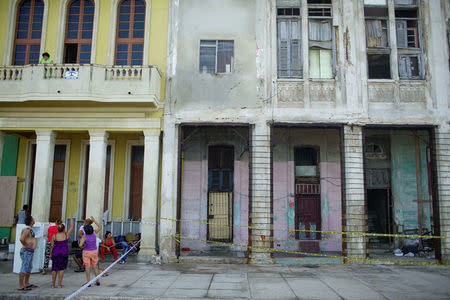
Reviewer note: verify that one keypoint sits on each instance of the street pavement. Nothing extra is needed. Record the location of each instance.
(135, 280)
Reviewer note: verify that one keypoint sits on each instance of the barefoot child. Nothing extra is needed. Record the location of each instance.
(59, 252)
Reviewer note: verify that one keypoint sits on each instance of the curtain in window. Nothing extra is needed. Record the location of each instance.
(374, 31)
(27, 41)
(320, 63)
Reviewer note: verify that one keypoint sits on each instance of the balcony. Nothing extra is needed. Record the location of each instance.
(84, 82)
(389, 94)
(317, 94)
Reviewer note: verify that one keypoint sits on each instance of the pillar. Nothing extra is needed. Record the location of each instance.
(96, 184)
(2, 142)
(43, 173)
(354, 193)
(150, 193)
(443, 171)
(167, 229)
(261, 197)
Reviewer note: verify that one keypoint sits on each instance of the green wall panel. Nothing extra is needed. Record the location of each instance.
(9, 157)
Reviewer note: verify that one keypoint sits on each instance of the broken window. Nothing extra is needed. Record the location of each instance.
(320, 39)
(216, 56)
(377, 41)
(407, 21)
(289, 43)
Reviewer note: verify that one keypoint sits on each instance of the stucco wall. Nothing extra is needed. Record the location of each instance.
(284, 183)
(195, 187)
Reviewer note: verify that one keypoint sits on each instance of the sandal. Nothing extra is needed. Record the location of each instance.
(24, 289)
(31, 286)
(53, 286)
(61, 286)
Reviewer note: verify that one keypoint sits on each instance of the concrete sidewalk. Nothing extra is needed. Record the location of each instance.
(236, 281)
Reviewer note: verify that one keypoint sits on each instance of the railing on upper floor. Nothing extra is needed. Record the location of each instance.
(83, 82)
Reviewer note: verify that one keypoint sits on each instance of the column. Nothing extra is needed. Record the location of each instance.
(150, 194)
(2, 142)
(169, 176)
(261, 201)
(443, 171)
(96, 184)
(43, 173)
(354, 193)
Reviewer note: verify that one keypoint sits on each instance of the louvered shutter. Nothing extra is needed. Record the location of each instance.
(283, 48)
(402, 38)
(296, 62)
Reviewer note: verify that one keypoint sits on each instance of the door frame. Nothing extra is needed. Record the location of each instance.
(127, 177)
(28, 168)
(82, 175)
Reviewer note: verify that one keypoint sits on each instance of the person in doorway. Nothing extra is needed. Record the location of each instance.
(60, 252)
(108, 245)
(22, 214)
(46, 59)
(29, 244)
(50, 232)
(89, 244)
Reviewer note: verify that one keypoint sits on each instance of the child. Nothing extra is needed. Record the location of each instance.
(60, 253)
(108, 245)
(89, 244)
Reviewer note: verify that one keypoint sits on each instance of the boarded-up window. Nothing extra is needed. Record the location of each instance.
(27, 42)
(80, 23)
(216, 56)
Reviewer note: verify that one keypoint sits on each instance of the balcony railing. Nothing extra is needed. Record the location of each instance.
(74, 82)
(404, 93)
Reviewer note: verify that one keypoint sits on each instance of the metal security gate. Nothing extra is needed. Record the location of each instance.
(219, 216)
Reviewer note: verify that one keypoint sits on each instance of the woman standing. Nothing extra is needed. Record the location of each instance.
(50, 232)
(89, 244)
(108, 245)
(59, 252)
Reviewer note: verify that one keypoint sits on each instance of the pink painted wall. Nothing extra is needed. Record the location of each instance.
(284, 184)
(194, 205)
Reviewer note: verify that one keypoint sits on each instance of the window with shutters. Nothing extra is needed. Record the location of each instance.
(289, 33)
(216, 56)
(130, 32)
(80, 22)
(321, 42)
(377, 41)
(409, 46)
(27, 42)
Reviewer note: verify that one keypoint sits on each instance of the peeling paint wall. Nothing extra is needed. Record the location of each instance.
(194, 204)
(404, 183)
(327, 140)
(223, 20)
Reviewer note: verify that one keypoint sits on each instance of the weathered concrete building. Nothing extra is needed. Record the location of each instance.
(285, 118)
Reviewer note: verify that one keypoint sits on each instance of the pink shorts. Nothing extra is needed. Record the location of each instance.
(90, 258)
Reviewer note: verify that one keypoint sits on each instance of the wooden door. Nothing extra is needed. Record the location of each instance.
(59, 161)
(136, 182)
(307, 216)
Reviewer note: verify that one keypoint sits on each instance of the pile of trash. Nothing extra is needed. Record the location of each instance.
(411, 248)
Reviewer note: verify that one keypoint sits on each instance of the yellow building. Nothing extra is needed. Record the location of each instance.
(82, 131)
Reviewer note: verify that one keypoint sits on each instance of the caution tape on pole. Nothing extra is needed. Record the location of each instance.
(320, 231)
(178, 238)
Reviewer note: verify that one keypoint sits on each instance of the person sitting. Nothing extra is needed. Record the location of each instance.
(108, 246)
(78, 256)
(131, 241)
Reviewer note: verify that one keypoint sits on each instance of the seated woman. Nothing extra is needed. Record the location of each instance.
(131, 242)
(108, 245)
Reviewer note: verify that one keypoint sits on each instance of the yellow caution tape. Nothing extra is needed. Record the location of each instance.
(313, 254)
(321, 231)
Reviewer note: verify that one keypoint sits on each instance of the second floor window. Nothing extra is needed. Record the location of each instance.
(27, 42)
(130, 32)
(216, 56)
(80, 20)
(289, 43)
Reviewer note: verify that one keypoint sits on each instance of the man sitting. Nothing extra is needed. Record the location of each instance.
(130, 241)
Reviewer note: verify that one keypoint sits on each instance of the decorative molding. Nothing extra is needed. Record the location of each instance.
(381, 92)
(322, 91)
(412, 93)
(290, 92)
